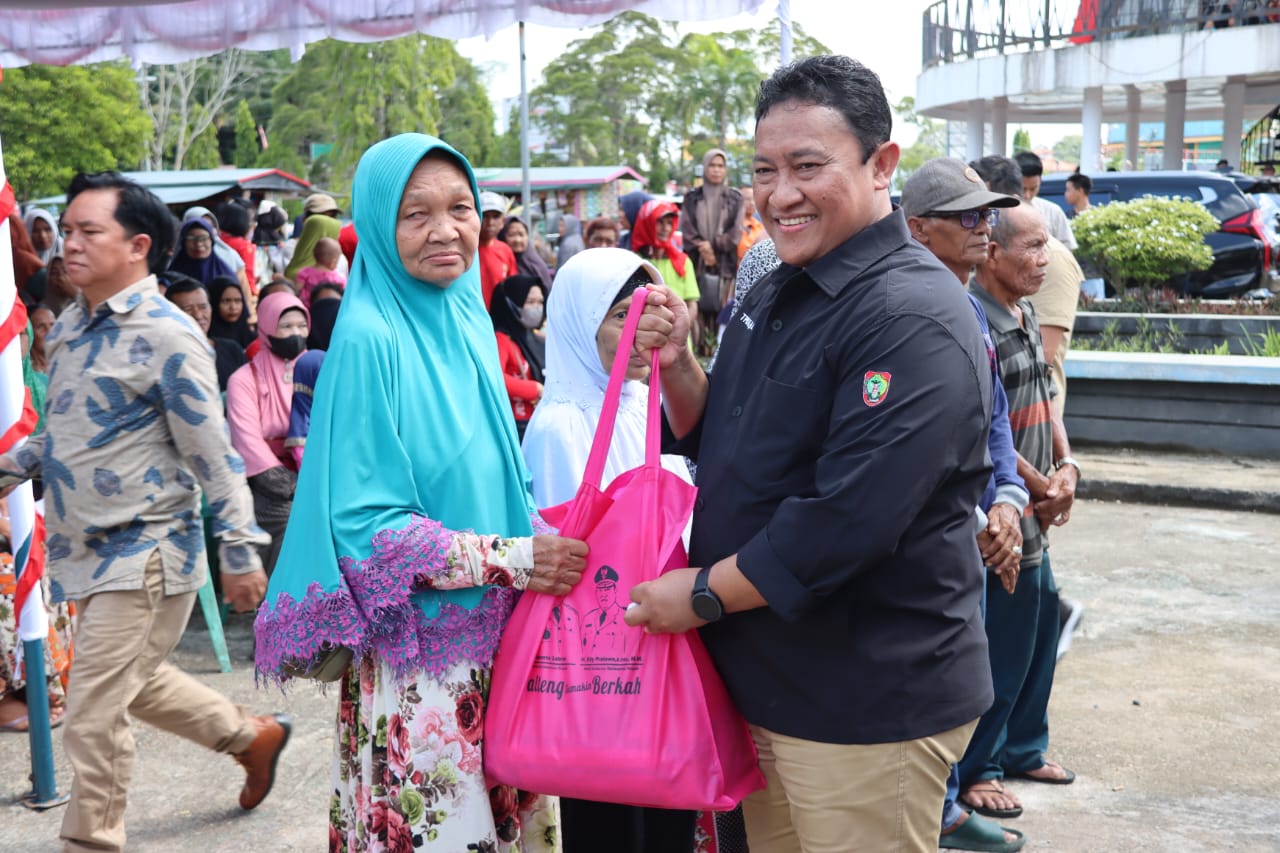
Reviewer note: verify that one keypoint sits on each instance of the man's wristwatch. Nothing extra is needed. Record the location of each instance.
(1067, 460)
(706, 604)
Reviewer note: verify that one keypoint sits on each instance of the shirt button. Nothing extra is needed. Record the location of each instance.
(737, 411)
(776, 325)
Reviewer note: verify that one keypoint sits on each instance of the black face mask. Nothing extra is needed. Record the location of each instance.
(288, 348)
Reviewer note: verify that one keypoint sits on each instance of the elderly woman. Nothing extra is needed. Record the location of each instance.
(586, 313)
(259, 396)
(411, 446)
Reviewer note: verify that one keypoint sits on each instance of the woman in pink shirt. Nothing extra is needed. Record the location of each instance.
(259, 397)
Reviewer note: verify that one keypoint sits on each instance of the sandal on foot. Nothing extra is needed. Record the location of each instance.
(986, 787)
(978, 833)
(1054, 768)
(17, 724)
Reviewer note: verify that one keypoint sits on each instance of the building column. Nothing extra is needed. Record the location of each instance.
(1175, 121)
(1132, 126)
(1091, 130)
(999, 126)
(974, 130)
(1232, 119)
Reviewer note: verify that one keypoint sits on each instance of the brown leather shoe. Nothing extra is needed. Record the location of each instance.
(259, 760)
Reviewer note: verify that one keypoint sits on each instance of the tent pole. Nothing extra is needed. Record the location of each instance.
(526, 197)
(784, 31)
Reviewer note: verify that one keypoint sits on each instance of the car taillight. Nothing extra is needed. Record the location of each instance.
(1250, 224)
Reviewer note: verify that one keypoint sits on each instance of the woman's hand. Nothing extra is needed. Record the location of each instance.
(558, 564)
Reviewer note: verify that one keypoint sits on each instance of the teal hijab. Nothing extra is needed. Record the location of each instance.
(411, 421)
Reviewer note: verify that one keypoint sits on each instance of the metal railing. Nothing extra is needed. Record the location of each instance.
(1261, 145)
(956, 30)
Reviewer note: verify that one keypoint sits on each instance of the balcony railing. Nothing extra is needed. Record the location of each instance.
(1261, 145)
(964, 29)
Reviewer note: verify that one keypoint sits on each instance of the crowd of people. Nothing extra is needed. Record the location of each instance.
(878, 447)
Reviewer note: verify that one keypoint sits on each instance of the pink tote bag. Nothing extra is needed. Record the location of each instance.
(581, 705)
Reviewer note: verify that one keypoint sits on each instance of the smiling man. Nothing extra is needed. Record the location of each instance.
(841, 449)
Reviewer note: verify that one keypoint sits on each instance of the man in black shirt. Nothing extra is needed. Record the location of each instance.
(841, 450)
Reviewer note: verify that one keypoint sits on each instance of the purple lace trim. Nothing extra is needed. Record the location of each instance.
(372, 611)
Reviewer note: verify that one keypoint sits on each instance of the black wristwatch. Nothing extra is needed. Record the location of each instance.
(706, 604)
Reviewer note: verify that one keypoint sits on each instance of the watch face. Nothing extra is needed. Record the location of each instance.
(705, 606)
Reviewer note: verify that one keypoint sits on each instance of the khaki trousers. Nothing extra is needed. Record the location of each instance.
(123, 640)
(837, 798)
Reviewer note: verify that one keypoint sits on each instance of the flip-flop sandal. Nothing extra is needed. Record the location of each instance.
(1066, 779)
(976, 833)
(989, 786)
(17, 724)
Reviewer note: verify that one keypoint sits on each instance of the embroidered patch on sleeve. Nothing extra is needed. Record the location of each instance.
(875, 387)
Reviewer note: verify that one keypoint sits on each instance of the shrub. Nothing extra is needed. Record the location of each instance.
(1146, 241)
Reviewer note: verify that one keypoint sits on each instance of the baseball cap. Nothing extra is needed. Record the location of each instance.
(948, 185)
(492, 201)
(319, 203)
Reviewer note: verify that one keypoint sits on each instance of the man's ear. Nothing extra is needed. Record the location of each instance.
(916, 225)
(139, 247)
(885, 162)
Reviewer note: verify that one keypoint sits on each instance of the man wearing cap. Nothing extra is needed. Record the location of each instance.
(604, 631)
(950, 212)
(497, 261)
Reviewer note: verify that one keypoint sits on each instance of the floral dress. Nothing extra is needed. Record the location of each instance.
(408, 766)
(57, 646)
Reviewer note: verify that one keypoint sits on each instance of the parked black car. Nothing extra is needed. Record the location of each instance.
(1243, 256)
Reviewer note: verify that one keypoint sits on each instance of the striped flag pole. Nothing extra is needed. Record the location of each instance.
(17, 420)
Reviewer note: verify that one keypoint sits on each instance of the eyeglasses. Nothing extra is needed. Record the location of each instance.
(197, 239)
(969, 218)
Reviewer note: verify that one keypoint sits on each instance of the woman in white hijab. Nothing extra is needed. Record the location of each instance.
(585, 315)
(42, 228)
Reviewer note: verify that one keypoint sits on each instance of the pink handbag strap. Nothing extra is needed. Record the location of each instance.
(613, 394)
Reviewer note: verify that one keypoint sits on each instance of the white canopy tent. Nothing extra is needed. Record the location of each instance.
(71, 32)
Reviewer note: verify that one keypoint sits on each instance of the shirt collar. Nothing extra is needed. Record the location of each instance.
(125, 300)
(998, 315)
(834, 271)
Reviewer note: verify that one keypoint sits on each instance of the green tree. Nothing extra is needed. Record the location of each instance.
(931, 139)
(59, 121)
(350, 96)
(598, 98)
(468, 119)
(720, 82)
(187, 100)
(1067, 149)
(247, 145)
(1021, 140)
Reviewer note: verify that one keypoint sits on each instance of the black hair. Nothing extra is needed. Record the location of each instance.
(138, 211)
(1029, 163)
(640, 278)
(177, 283)
(843, 84)
(1084, 183)
(1000, 174)
(233, 217)
(319, 289)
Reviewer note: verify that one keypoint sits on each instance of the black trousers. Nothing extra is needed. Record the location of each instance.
(589, 827)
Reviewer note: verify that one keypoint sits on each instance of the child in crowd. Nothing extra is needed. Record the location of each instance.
(328, 253)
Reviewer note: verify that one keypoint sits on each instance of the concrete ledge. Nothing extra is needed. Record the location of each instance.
(1219, 404)
(1195, 480)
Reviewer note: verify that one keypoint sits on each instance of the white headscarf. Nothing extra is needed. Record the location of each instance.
(30, 220)
(558, 438)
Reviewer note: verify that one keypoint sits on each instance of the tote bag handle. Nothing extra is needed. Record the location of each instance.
(594, 472)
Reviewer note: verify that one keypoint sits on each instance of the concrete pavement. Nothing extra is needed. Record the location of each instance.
(1180, 479)
(1163, 706)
